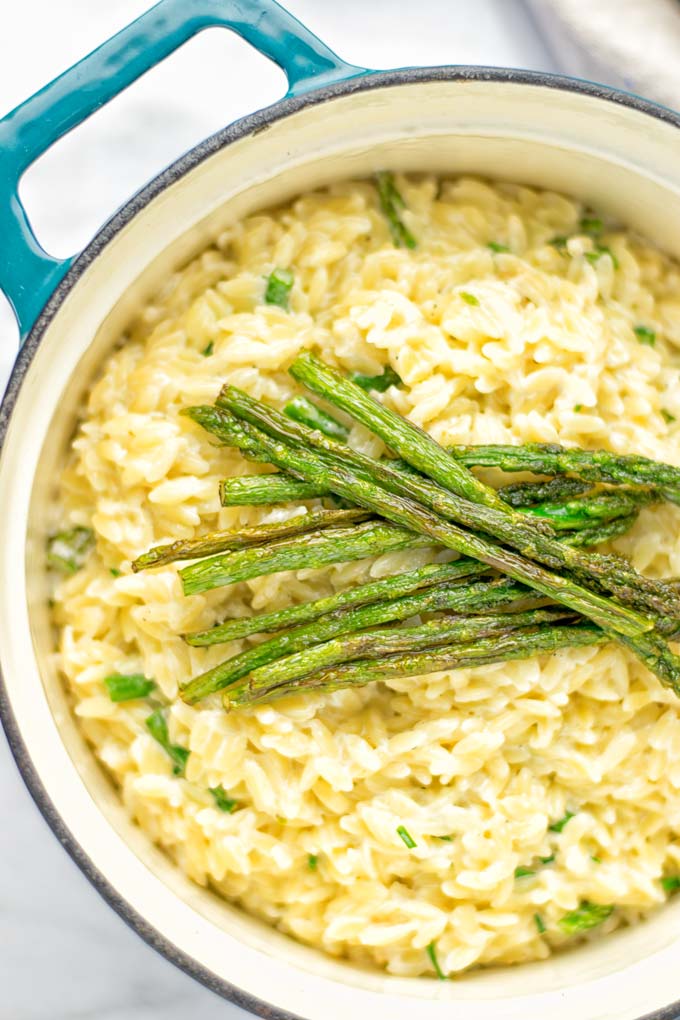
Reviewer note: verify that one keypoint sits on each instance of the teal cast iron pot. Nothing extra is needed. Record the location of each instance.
(611, 149)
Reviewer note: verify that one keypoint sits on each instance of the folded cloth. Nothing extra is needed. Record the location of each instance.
(632, 44)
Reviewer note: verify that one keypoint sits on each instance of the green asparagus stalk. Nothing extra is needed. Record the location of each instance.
(590, 465)
(573, 514)
(524, 494)
(265, 490)
(599, 533)
(392, 203)
(259, 534)
(309, 465)
(412, 444)
(423, 453)
(615, 619)
(560, 501)
(307, 413)
(521, 644)
(394, 586)
(390, 587)
(387, 641)
(209, 418)
(608, 573)
(452, 597)
(316, 549)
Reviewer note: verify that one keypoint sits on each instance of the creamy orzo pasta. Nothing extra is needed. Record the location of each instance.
(526, 788)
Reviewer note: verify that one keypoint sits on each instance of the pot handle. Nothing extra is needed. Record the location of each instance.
(28, 275)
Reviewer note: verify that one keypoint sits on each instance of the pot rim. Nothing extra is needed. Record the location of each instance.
(251, 124)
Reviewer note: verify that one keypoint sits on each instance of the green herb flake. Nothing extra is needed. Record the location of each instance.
(540, 924)
(578, 408)
(469, 298)
(586, 916)
(523, 872)
(157, 726)
(499, 249)
(559, 825)
(207, 351)
(222, 799)
(444, 839)
(671, 883)
(391, 202)
(378, 383)
(595, 859)
(115, 572)
(431, 951)
(406, 836)
(279, 285)
(596, 254)
(128, 688)
(645, 335)
(591, 225)
(667, 416)
(312, 861)
(547, 860)
(68, 550)
(560, 243)
(307, 413)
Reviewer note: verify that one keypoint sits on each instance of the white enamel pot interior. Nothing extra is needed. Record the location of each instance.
(617, 153)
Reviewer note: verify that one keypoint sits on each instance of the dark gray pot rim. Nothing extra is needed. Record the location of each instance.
(249, 125)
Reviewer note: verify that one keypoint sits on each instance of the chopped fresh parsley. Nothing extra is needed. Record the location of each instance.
(667, 416)
(312, 861)
(222, 799)
(469, 298)
(406, 836)
(432, 953)
(499, 249)
(540, 924)
(523, 872)
(591, 225)
(586, 916)
(560, 243)
(67, 550)
(595, 859)
(128, 688)
(279, 285)
(157, 726)
(207, 351)
(307, 413)
(379, 383)
(578, 407)
(445, 839)
(671, 883)
(391, 202)
(559, 825)
(645, 335)
(598, 251)
(115, 572)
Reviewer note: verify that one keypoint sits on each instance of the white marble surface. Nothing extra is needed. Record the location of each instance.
(64, 955)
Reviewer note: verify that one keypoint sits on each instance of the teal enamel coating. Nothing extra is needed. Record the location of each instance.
(28, 275)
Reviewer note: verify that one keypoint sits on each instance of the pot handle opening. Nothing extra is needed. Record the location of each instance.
(28, 275)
